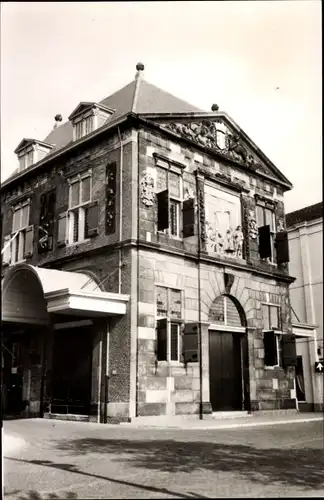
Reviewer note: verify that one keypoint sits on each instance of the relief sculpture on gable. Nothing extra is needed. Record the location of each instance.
(216, 135)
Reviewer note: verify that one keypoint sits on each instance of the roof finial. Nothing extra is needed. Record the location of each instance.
(57, 118)
(215, 107)
(139, 70)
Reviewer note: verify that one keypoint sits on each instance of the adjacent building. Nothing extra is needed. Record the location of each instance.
(144, 266)
(305, 236)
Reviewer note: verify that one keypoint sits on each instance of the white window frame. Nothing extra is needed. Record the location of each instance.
(83, 125)
(278, 334)
(272, 231)
(19, 239)
(171, 321)
(169, 167)
(79, 208)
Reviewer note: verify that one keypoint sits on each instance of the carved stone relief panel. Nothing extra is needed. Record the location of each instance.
(252, 225)
(224, 235)
(215, 134)
(147, 189)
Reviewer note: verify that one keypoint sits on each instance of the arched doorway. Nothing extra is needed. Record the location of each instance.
(228, 356)
(25, 323)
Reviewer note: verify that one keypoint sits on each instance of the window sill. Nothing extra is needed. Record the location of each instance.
(77, 243)
(170, 363)
(272, 367)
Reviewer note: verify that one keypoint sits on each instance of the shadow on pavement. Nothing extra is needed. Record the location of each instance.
(34, 495)
(290, 467)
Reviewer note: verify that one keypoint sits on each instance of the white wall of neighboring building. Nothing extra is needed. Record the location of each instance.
(306, 296)
(306, 264)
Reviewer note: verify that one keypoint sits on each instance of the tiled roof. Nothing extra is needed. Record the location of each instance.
(148, 99)
(138, 96)
(305, 214)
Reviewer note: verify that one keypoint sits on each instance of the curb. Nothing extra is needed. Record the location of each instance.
(216, 426)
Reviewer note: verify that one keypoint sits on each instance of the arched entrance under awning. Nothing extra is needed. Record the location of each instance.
(49, 321)
(228, 356)
(25, 326)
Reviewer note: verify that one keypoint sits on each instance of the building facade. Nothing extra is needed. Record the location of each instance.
(144, 266)
(305, 237)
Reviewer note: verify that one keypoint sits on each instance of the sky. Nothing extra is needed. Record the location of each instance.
(260, 61)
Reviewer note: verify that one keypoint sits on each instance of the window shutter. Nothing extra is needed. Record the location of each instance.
(46, 221)
(161, 341)
(163, 210)
(282, 247)
(6, 255)
(61, 238)
(190, 342)
(289, 356)
(270, 349)
(91, 219)
(111, 188)
(188, 217)
(29, 242)
(264, 242)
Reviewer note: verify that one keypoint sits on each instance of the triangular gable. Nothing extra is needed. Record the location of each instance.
(84, 106)
(219, 133)
(28, 142)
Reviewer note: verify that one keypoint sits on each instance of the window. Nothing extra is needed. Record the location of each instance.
(78, 216)
(22, 236)
(169, 189)
(272, 335)
(26, 160)
(266, 224)
(168, 310)
(83, 127)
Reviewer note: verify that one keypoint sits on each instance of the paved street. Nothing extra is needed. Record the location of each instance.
(81, 460)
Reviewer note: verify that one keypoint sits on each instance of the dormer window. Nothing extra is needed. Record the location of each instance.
(87, 117)
(31, 151)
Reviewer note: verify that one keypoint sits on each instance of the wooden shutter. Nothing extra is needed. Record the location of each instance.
(264, 242)
(46, 221)
(111, 187)
(188, 218)
(6, 255)
(270, 349)
(162, 339)
(61, 229)
(163, 210)
(29, 242)
(289, 356)
(91, 219)
(190, 342)
(282, 247)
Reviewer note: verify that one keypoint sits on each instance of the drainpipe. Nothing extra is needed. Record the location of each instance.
(120, 212)
(138, 261)
(199, 304)
(106, 400)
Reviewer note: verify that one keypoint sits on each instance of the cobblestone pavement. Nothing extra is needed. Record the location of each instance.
(82, 460)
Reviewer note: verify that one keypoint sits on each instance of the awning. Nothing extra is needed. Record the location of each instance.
(29, 293)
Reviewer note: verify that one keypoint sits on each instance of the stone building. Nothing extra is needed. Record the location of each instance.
(305, 237)
(144, 266)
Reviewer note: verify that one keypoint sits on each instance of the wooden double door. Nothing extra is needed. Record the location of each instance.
(226, 370)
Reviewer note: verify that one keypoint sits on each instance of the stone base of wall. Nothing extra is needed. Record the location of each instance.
(69, 418)
(274, 404)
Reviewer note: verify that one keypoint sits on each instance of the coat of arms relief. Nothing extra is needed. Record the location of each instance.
(217, 135)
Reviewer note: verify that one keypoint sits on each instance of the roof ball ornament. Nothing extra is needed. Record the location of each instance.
(140, 66)
(58, 118)
(215, 107)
